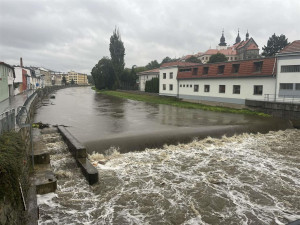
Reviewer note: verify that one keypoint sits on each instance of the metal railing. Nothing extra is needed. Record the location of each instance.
(7, 121)
(295, 99)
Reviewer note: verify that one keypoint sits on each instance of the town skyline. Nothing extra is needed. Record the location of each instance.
(62, 36)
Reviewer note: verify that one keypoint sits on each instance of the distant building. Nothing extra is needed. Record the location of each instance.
(246, 49)
(7, 75)
(78, 78)
(146, 76)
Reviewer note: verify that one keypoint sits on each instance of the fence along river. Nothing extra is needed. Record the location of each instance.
(244, 179)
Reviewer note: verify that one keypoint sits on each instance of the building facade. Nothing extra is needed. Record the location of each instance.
(7, 75)
(146, 76)
(226, 82)
(77, 78)
(288, 73)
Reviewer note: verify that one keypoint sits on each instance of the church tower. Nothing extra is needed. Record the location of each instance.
(247, 36)
(238, 38)
(222, 40)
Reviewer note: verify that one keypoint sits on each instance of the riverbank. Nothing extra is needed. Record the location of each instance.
(155, 99)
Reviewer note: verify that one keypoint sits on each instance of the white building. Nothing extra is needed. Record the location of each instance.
(288, 73)
(168, 84)
(146, 76)
(226, 82)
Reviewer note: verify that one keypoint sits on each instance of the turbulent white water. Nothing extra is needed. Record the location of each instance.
(244, 179)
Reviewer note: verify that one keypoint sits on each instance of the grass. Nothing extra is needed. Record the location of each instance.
(176, 102)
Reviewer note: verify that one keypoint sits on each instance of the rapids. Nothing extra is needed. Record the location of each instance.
(243, 179)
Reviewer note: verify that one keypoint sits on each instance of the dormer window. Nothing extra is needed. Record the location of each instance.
(221, 69)
(205, 70)
(235, 68)
(258, 66)
(195, 71)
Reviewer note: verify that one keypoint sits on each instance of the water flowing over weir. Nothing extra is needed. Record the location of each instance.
(244, 179)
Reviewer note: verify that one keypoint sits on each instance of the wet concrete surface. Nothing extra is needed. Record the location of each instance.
(100, 121)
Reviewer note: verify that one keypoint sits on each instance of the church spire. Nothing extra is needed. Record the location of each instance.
(222, 40)
(238, 38)
(247, 35)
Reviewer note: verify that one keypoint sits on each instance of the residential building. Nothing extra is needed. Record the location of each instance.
(146, 76)
(226, 82)
(288, 73)
(7, 75)
(78, 78)
(168, 84)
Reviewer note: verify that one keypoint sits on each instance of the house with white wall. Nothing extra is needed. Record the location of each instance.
(225, 82)
(168, 84)
(288, 73)
(146, 76)
(7, 75)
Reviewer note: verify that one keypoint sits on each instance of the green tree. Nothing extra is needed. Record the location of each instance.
(167, 59)
(72, 82)
(103, 74)
(90, 80)
(63, 81)
(117, 53)
(274, 45)
(219, 57)
(152, 65)
(152, 85)
(193, 59)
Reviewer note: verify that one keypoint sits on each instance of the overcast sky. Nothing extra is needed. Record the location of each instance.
(66, 35)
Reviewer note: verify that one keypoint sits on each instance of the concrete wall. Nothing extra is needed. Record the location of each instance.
(4, 91)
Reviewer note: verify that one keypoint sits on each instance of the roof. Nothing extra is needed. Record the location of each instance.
(177, 64)
(246, 69)
(154, 71)
(7, 65)
(229, 51)
(252, 47)
(292, 47)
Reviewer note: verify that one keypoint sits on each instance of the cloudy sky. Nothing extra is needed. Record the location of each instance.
(66, 35)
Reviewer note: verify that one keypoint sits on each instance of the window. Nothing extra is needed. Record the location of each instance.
(195, 71)
(171, 87)
(191, 85)
(185, 70)
(206, 88)
(180, 85)
(184, 85)
(298, 87)
(235, 58)
(221, 88)
(171, 75)
(235, 68)
(206, 58)
(205, 70)
(221, 69)
(196, 88)
(236, 89)
(164, 75)
(290, 69)
(164, 87)
(258, 66)
(258, 90)
(286, 86)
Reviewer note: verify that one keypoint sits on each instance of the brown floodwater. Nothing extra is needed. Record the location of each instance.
(101, 122)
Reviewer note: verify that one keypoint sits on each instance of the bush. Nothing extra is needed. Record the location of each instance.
(152, 85)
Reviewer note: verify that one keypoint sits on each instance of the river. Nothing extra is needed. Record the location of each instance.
(243, 179)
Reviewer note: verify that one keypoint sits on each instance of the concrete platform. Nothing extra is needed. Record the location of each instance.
(88, 170)
(41, 154)
(45, 179)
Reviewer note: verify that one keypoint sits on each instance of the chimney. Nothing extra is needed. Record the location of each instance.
(21, 62)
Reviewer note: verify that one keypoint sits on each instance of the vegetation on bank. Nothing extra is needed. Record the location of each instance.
(13, 168)
(176, 102)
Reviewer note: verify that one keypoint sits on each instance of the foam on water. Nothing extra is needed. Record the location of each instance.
(244, 179)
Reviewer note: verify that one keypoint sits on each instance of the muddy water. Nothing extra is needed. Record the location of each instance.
(244, 179)
(100, 122)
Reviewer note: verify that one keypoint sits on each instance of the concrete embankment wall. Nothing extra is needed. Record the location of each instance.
(284, 110)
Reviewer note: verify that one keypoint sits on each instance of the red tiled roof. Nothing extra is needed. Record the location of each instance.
(149, 71)
(246, 69)
(223, 51)
(169, 64)
(292, 47)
